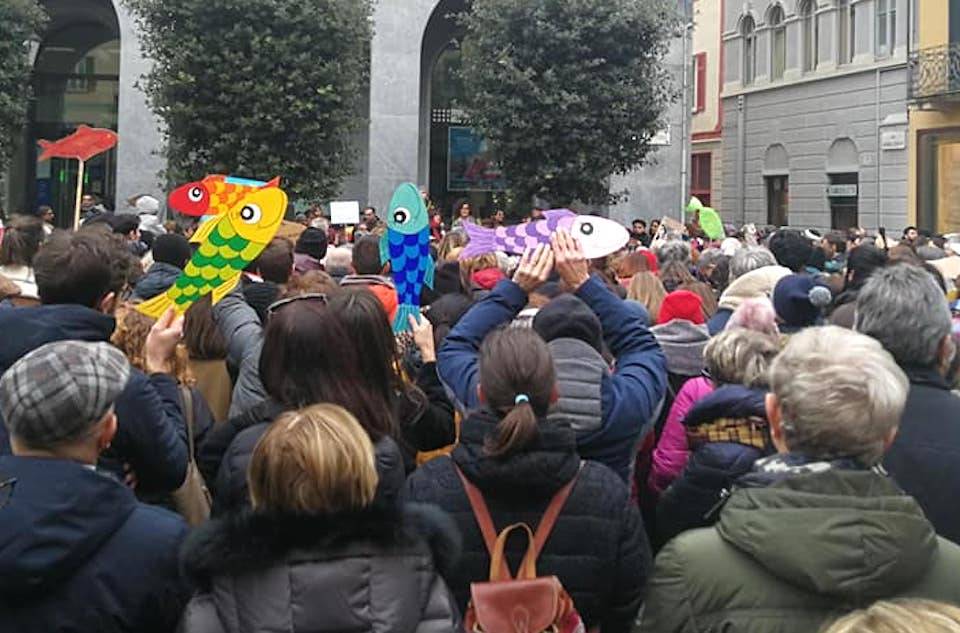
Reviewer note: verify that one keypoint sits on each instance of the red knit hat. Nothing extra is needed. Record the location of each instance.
(681, 304)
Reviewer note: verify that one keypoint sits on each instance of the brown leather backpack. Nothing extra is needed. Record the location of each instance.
(527, 603)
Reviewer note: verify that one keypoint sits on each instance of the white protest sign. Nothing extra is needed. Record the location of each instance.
(345, 212)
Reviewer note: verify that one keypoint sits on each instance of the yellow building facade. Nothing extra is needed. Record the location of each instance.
(707, 118)
(934, 94)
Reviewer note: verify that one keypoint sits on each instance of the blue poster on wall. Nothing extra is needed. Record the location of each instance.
(470, 164)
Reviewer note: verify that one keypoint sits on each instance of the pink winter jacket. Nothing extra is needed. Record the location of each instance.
(671, 453)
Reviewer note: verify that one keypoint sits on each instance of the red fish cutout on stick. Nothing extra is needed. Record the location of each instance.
(85, 143)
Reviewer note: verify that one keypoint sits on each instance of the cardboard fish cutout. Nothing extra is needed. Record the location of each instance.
(598, 236)
(227, 244)
(711, 224)
(406, 245)
(214, 195)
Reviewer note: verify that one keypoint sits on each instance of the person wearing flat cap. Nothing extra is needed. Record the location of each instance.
(78, 552)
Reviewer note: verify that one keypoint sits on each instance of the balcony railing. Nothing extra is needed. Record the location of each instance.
(935, 73)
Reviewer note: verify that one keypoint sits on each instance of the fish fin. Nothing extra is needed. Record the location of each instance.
(482, 241)
(202, 234)
(401, 322)
(154, 308)
(224, 289)
(428, 273)
(273, 183)
(558, 213)
(385, 248)
(44, 144)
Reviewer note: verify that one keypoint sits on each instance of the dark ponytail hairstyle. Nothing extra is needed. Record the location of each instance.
(518, 379)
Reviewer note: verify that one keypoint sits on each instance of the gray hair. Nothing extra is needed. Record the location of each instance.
(903, 307)
(840, 394)
(750, 258)
(710, 257)
(740, 357)
(673, 251)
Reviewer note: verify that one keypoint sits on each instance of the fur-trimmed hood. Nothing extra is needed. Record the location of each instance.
(248, 540)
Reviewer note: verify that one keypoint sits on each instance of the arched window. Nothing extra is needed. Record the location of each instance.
(808, 36)
(778, 42)
(748, 31)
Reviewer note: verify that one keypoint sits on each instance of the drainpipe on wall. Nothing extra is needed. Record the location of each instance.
(741, 156)
(879, 158)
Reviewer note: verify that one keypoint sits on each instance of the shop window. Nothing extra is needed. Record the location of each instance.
(843, 196)
(938, 183)
(778, 200)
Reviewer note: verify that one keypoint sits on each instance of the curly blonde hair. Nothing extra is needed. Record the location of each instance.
(130, 337)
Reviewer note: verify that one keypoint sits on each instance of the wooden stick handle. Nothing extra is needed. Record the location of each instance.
(76, 204)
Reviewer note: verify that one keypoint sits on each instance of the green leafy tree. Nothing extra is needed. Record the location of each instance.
(19, 21)
(567, 92)
(258, 88)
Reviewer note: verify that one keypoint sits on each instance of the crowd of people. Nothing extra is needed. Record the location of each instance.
(758, 433)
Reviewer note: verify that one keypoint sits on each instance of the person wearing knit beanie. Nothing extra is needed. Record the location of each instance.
(171, 249)
(682, 304)
(567, 316)
(799, 300)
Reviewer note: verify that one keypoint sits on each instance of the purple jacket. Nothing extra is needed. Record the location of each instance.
(671, 453)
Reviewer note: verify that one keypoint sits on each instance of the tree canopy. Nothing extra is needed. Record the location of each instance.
(567, 92)
(259, 88)
(19, 20)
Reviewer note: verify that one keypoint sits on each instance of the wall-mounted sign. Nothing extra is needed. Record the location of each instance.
(893, 139)
(842, 191)
(662, 137)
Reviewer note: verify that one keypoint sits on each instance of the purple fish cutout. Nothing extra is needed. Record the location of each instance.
(597, 236)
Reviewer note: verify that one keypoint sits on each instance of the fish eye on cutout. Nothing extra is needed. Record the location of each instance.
(586, 228)
(401, 215)
(195, 194)
(251, 213)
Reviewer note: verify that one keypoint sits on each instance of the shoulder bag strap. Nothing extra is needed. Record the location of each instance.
(186, 399)
(552, 513)
(482, 514)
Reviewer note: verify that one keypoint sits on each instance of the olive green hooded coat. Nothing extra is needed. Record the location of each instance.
(797, 554)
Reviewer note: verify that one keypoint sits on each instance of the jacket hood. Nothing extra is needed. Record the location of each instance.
(157, 280)
(756, 283)
(580, 372)
(54, 517)
(26, 329)
(846, 533)
(541, 469)
(248, 540)
(682, 343)
(728, 401)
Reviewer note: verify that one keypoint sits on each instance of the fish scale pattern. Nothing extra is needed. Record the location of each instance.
(217, 261)
(407, 256)
(516, 239)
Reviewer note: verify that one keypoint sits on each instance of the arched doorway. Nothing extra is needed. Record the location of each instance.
(76, 80)
(843, 192)
(453, 155)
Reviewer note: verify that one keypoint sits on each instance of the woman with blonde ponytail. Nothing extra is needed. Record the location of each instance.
(519, 461)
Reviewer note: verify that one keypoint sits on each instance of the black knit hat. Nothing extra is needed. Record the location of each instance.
(171, 249)
(569, 317)
(312, 242)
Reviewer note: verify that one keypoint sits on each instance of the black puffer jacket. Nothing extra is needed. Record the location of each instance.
(225, 457)
(692, 500)
(597, 549)
(368, 571)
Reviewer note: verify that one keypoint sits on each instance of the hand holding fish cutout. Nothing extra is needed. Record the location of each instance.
(406, 246)
(598, 236)
(228, 243)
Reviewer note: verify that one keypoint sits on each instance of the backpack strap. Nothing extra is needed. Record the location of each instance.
(485, 522)
(552, 513)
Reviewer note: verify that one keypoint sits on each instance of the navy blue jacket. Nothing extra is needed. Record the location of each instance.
(151, 434)
(925, 457)
(78, 553)
(158, 279)
(629, 395)
(691, 500)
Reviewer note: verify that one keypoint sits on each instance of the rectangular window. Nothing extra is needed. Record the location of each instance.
(809, 38)
(938, 184)
(701, 176)
(699, 82)
(844, 32)
(843, 197)
(778, 200)
(779, 61)
(886, 27)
